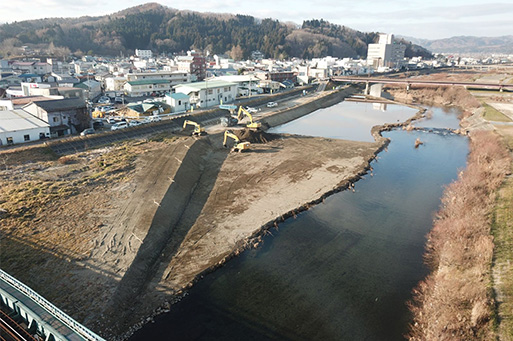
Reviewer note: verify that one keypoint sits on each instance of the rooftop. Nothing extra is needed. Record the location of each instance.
(60, 104)
(203, 85)
(149, 81)
(19, 119)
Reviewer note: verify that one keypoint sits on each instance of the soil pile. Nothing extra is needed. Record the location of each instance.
(255, 136)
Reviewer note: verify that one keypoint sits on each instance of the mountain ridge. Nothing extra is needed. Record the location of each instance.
(164, 29)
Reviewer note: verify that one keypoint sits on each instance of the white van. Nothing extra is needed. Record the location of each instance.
(119, 125)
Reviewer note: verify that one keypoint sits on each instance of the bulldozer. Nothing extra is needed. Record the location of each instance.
(198, 130)
(251, 124)
(238, 146)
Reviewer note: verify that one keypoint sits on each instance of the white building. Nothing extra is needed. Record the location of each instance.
(386, 53)
(18, 126)
(247, 85)
(208, 93)
(179, 102)
(115, 84)
(143, 53)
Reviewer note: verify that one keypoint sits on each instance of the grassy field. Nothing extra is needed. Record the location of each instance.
(492, 114)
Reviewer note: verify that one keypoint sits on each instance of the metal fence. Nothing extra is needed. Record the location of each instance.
(56, 312)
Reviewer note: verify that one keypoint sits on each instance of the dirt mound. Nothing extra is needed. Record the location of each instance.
(254, 136)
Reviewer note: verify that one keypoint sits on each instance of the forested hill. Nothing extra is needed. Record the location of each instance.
(162, 29)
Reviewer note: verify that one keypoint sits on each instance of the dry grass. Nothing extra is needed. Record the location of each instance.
(502, 230)
(455, 301)
(492, 114)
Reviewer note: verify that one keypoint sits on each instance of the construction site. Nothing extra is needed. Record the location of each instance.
(115, 234)
(114, 229)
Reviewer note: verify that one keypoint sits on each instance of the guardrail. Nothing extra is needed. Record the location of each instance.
(44, 303)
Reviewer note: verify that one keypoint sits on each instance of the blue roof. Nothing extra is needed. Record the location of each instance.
(28, 75)
(178, 96)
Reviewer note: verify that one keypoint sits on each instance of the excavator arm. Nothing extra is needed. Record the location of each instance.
(251, 124)
(198, 130)
(239, 146)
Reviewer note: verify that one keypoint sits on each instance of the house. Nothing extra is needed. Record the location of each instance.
(19, 126)
(208, 93)
(144, 109)
(178, 102)
(91, 88)
(65, 116)
(247, 85)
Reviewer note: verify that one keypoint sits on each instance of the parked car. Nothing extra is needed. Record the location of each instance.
(118, 100)
(87, 131)
(97, 124)
(119, 125)
(134, 123)
(104, 100)
(251, 110)
(271, 104)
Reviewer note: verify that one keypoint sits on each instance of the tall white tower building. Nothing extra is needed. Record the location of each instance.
(386, 52)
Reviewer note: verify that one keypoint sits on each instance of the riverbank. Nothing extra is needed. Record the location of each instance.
(456, 300)
(114, 235)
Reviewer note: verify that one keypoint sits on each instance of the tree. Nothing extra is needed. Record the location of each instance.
(236, 53)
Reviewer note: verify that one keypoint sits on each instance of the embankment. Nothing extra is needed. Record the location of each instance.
(455, 301)
(296, 112)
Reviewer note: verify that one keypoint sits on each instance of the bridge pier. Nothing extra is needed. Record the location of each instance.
(367, 90)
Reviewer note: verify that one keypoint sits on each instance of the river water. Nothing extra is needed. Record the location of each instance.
(344, 269)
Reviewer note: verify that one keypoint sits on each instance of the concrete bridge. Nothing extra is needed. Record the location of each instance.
(408, 82)
(44, 320)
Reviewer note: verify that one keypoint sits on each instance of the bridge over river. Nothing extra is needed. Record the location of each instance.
(408, 82)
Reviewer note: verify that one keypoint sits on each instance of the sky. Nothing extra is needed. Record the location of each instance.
(434, 19)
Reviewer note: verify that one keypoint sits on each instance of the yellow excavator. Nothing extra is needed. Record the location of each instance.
(198, 130)
(251, 124)
(238, 146)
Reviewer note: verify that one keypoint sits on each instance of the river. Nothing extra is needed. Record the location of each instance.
(344, 269)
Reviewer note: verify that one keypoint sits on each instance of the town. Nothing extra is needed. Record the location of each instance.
(44, 98)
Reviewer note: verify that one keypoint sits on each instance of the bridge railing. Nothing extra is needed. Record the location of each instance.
(56, 312)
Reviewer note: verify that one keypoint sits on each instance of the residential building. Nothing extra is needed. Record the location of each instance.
(147, 87)
(34, 67)
(115, 84)
(208, 93)
(179, 102)
(194, 63)
(386, 53)
(143, 53)
(65, 116)
(174, 77)
(91, 88)
(19, 126)
(247, 85)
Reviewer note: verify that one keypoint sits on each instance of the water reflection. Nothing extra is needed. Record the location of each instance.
(342, 270)
(346, 120)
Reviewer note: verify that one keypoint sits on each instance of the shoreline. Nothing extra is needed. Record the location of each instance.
(253, 240)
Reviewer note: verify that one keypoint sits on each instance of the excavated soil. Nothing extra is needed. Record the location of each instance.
(121, 231)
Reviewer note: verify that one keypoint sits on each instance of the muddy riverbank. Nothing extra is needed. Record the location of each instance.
(114, 235)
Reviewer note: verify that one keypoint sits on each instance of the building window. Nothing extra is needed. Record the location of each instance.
(179, 102)
(210, 91)
(9, 140)
(55, 119)
(26, 137)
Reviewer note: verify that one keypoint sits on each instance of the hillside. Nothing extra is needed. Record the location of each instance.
(468, 44)
(166, 30)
